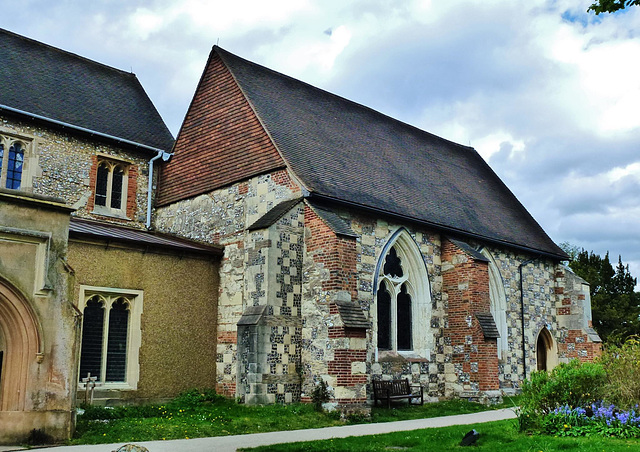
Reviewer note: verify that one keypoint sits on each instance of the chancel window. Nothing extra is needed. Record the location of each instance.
(110, 336)
(110, 195)
(394, 306)
(403, 301)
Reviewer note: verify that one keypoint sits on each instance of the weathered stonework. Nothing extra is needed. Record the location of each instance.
(223, 216)
(60, 164)
(38, 324)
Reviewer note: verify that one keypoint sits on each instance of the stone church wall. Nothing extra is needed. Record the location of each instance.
(283, 282)
(223, 216)
(64, 165)
(38, 324)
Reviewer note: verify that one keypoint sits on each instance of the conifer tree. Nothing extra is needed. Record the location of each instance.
(615, 305)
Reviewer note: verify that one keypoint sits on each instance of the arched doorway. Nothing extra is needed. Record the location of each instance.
(546, 355)
(19, 347)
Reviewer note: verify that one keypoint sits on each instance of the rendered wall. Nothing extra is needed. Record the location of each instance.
(180, 294)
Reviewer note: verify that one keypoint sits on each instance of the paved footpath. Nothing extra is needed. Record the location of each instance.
(232, 443)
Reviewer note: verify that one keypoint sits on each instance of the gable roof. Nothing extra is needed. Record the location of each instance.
(43, 82)
(348, 154)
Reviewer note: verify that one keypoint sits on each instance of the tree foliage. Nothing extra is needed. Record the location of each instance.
(611, 6)
(615, 305)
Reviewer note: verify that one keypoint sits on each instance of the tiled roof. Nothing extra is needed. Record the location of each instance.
(111, 233)
(475, 254)
(338, 225)
(274, 214)
(348, 153)
(488, 325)
(48, 82)
(352, 314)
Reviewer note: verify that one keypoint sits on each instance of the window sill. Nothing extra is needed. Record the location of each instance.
(112, 213)
(400, 357)
(120, 386)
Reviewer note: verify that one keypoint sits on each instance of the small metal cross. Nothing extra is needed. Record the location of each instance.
(90, 384)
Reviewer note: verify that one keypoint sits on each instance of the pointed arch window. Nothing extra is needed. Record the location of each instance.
(403, 299)
(111, 337)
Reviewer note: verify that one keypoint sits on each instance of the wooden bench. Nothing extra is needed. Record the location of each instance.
(395, 390)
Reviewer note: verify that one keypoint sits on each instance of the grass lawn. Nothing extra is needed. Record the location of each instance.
(502, 436)
(194, 416)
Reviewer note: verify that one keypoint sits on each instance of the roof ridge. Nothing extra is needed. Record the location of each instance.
(65, 52)
(225, 53)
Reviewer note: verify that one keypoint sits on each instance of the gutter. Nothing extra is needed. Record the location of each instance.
(81, 129)
(524, 348)
(165, 158)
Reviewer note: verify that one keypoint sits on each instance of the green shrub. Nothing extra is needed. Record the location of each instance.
(622, 364)
(573, 384)
(320, 395)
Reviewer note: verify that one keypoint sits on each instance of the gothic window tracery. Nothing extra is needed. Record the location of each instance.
(13, 155)
(403, 299)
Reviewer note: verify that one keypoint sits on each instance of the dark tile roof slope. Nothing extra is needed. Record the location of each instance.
(475, 254)
(350, 153)
(146, 239)
(488, 325)
(45, 81)
(274, 214)
(338, 225)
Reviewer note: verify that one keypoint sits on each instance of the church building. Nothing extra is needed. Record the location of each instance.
(358, 247)
(287, 236)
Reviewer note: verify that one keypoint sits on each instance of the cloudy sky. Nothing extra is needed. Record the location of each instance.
(547, 93)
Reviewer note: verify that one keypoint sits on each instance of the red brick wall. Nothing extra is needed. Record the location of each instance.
(337, 254)
(467, 286)
(221, 140)
(132, 188)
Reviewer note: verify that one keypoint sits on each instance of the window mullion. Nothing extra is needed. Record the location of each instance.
(394, 318)
(4, 160)
(105, 340)
(109, 185)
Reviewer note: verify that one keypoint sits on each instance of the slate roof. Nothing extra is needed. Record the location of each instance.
(48, 82)
(107, 232)
(350, 154)
(475, 254)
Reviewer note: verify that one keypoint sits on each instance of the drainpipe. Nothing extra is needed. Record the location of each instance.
(165, 157)
(524, 348)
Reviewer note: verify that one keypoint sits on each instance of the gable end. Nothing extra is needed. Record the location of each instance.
(221, 140)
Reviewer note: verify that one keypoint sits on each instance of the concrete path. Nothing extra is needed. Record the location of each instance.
(232, 443)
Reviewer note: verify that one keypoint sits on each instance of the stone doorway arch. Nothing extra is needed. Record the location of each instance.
(546, 351)
(20, 347)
